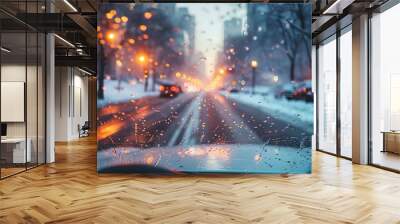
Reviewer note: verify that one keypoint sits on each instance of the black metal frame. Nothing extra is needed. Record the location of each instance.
(338, 98)
(339, 32)
(389, 4)
(44, 57)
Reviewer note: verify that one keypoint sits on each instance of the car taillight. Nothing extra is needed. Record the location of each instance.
(162, 88)
(174, 89)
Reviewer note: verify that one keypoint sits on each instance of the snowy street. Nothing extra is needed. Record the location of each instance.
(203, 118)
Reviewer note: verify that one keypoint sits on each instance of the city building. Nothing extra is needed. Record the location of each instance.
(232, 28)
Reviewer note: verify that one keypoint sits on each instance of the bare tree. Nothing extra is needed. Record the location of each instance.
(291, 26)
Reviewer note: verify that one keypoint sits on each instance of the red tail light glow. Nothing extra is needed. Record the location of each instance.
(174, 89)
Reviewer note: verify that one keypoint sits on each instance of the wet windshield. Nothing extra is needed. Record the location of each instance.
(186, 87)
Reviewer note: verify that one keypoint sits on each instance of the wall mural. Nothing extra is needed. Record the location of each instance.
(199, 88)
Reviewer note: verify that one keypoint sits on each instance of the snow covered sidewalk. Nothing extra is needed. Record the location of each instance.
(298, 113)
(124, 91)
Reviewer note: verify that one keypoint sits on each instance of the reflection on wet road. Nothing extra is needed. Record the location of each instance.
(199, 131)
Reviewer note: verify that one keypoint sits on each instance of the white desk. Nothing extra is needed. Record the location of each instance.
(19, 154)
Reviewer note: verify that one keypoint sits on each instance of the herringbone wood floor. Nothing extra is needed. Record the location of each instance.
(70, 191)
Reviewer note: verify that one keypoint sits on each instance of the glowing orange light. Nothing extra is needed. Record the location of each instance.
(148, 15)
(254, 64)
(117, 20)
(131, 41)
(221, 71)
(108, 110)
(98, 28)
(149, 159)
(142, 58)
(178, 74)
(174, 89)
(124, 19)
(109, 129)
(109, 15)
(162, 88)
(118, 63)
(143, 27)
(145, 36)
(110, 36)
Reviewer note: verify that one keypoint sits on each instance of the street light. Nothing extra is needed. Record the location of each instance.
(254, 65)
(275, 78)
(142, 60)
(148, 15)
(110, 36)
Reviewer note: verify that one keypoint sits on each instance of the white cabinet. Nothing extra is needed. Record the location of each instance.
(19, 155)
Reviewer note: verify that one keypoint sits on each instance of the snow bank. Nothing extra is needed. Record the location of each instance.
(122, 92)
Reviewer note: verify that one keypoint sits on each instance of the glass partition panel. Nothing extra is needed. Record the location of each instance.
(327, 96)
(14, 153)
(22, 88)
(346, 94)
(385, 85)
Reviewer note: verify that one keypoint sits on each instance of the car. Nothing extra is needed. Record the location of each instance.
(169, 89)
(233, 90)
(285, 90)
(303, 92)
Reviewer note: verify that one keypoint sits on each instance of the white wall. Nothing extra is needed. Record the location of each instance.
(16, 73)
(61, 103)
(71, 102)
(33, 127)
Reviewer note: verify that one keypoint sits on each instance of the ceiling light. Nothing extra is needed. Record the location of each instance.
(5, 50)
(65, 41)
(84, 71)
(326, 11)
(70, 5)
(337, 7)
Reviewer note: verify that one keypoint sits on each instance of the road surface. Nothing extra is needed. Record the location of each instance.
(205, 119)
